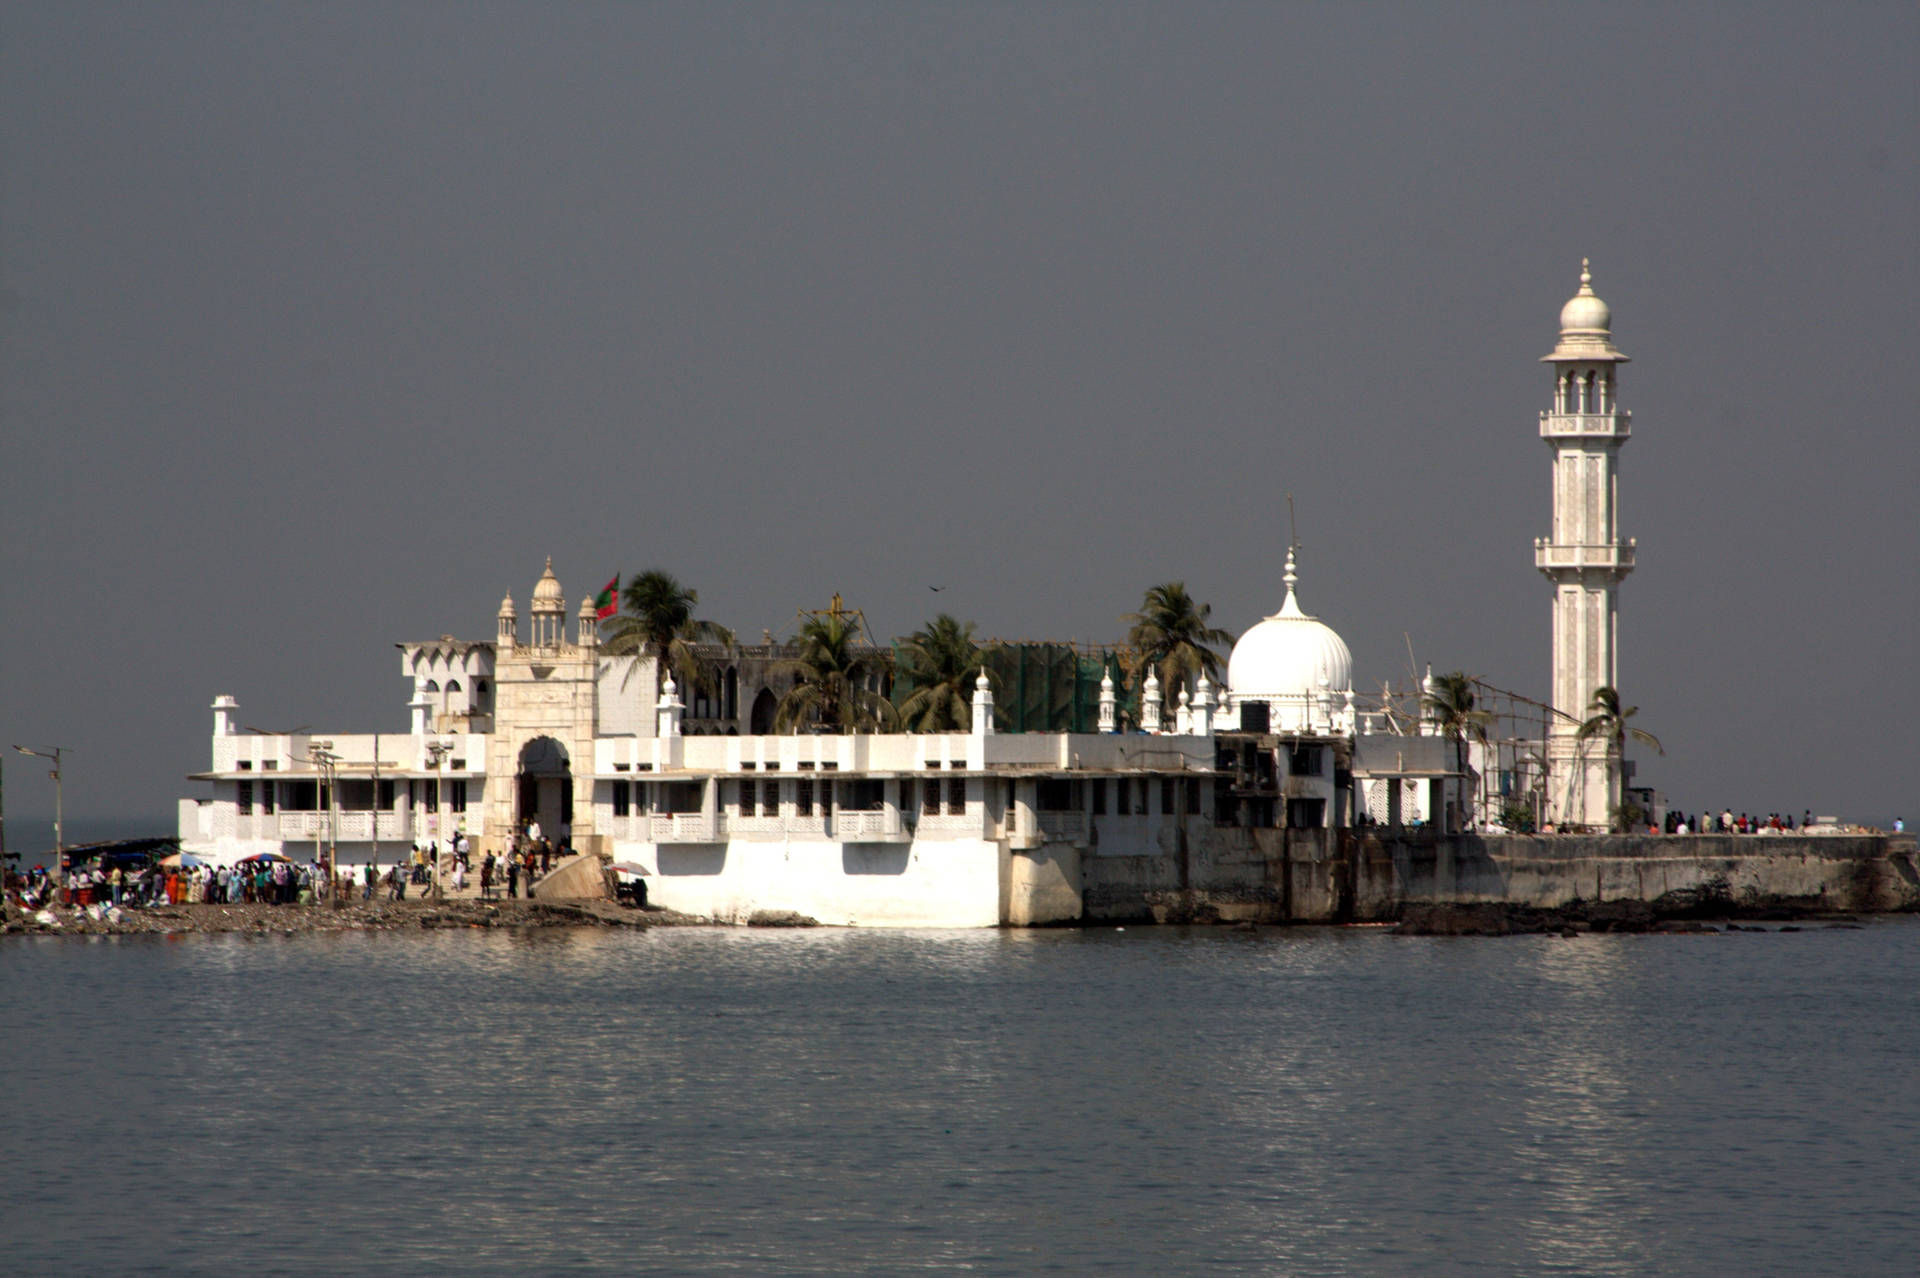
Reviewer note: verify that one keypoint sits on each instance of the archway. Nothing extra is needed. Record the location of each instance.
(764, 707)
(545, 788)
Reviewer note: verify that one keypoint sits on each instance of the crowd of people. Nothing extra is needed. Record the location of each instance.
(260, 880)
(275, 880)
(1727, 823)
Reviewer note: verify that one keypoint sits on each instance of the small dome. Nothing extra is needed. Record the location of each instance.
(1289, 655)
(506, 606)
(547, 595)
(1584, 311)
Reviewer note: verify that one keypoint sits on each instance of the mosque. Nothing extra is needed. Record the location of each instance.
(540, 727)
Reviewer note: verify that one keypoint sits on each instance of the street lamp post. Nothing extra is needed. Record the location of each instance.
(59, 805)
(326, 762)
(437, 752)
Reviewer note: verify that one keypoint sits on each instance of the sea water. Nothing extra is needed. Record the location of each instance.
(1137, 1101)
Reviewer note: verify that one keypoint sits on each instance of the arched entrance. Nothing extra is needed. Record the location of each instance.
(764, 706)
(545, 787)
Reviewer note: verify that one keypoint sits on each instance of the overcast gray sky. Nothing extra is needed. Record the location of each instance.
(324, 325)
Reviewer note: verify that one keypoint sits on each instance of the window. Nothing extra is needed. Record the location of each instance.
(770, 799)
(956, 796)
(930, 803)
(1192, 786)
(457, 795)
(267, 789)
(1306, 814)
(1225, 810)
(386, 796)
(681, 796)
(1304, 761)
(243, 798)
(1100, 797)
(270, 765)
(243, 765)
(1057, 794)
(642, 799)
(622, 799)
(1122, 797)
(803, 797)
(1167, 807)
(866, 795)
(749, 797)
(302, 796)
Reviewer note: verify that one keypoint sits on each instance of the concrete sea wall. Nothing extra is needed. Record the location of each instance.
(1326, 876)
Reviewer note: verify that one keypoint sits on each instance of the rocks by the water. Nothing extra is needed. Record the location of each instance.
(1675, 914)
(780, 918)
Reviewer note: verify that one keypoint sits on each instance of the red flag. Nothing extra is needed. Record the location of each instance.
(604, 604)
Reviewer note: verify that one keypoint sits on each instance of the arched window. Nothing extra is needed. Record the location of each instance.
(732, 710)
(480, 695)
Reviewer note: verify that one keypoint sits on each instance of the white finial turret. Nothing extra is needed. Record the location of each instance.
(1150, 703)
(1202, 722)
(670, 708)
(982, 709)
(224, 710)
(1109, 704)
(589, 624)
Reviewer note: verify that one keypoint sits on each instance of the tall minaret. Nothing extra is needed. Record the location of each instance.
(1585, 558)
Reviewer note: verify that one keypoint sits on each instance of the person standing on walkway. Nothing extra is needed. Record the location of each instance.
(513, 877)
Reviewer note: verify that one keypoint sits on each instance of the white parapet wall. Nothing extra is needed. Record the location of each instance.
(926, 883)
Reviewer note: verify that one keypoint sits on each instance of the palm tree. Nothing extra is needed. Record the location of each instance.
(1606, 719)
(1452, 705)
(659, 623)
(940, 663)
(1172, 636)
(1608, 722)
(831, 674)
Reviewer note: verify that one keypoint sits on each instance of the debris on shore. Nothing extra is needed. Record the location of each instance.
(1675, 913)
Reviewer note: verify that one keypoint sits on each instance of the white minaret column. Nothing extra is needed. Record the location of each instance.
(1150, 703)
(982, 706)
(667, 713)
(1109, 704)
(1202, 722)
(1586, 557)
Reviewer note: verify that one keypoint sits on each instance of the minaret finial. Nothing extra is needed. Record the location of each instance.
(1290, 576)
(1586, 276)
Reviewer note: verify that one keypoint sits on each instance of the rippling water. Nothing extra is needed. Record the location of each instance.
(1143, 1101)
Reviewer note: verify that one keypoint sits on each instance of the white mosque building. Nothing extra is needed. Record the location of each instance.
(976, 828)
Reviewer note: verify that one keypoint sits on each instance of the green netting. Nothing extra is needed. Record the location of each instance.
(1041, 687)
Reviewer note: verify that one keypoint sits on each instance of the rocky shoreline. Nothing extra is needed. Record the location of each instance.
(354, 916)
(1675, 912)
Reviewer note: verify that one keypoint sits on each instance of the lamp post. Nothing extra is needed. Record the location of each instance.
(437, 752)
(326, 763)
(59, 787)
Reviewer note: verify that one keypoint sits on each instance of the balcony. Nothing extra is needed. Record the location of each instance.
(1615, 557)
(352, 827)
(868, 827)
(1617, 425)
(687, 827)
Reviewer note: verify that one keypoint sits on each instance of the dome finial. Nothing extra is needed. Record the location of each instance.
(1586, 276)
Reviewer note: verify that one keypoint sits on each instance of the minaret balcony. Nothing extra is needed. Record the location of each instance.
(1614, 425)
(1554, 557)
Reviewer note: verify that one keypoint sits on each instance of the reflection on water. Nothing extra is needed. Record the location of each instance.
(1140, 1101)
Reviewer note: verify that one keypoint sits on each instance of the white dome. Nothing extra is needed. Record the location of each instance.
(1584, 311)
(1289, 655)
(547, 596)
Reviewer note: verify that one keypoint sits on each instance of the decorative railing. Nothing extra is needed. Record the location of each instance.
(688, 827)
(854, 825)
